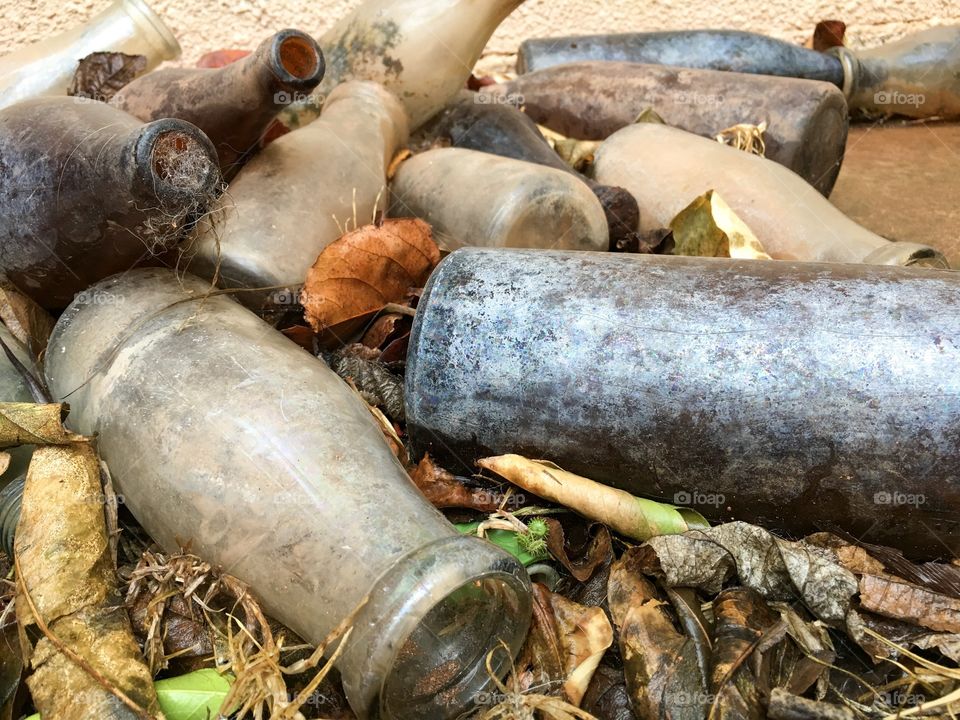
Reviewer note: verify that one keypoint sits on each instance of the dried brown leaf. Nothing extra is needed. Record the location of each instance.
(85, 660)
(365, 270)
(26, 320)
(34, 424)
(100, 75)
(898, 599)
(581, 562)
(444, 490)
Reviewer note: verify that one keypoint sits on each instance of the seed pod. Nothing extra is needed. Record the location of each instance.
(89, 191)
(234, 104)
(806, 120)
(799, 396)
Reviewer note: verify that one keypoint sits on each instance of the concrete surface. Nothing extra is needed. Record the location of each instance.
(204, 25)
(901, 180)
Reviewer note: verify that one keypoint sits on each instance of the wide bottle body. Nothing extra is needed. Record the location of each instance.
(508, 203)
(666, 169)
(301, 193)
(225, 436)
(806, 120)
(808, 396)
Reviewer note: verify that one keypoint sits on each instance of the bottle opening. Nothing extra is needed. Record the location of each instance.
(180, 161)
(299, 57)
(441, 668)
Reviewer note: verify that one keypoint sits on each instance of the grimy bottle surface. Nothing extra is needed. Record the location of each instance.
(806, 396)
(225, 436)
(420, 50)
(233, 105)
(89, 190)
(47, 67)
(301, 192)
(806, 120)
(475, 123)
(666, 169)
(511, 203)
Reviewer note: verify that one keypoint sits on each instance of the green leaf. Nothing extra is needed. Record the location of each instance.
(194, 696)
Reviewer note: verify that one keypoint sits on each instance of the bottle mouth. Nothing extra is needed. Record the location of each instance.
(420, 646)
(144, 16)
(178, 161)
(297, 60)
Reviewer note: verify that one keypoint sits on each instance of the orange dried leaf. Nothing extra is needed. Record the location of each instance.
(367, 268)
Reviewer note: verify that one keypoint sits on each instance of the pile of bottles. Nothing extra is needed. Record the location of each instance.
(825, 376)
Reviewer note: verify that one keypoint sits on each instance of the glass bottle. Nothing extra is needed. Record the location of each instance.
(802, 396)
(89, 191)
(47, 67)
(234, 104)
(421, 50)
(300, 193)
(479, 122)
(478, 199)
(666, 169)
(806, 120)
(224, 435)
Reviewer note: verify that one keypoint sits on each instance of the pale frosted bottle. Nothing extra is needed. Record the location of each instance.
(421, 50)
(299, 193)
(222, 434)
(666, 169)
(473, 198)
(47, 67)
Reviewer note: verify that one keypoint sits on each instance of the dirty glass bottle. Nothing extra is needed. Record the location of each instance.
(666, 169)
(301, 192)
(478, 199)
(234, 104)
(47, 67)
(89, 190)
(421, 50)
(478, 122)
(806, 120)
(224, 435)
(809, 396)
(915, 76)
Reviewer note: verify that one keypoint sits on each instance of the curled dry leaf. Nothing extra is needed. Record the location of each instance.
(34, 424)
(565, 645)
(357, 275)
(444, 490)
(101, 75)
(26, 320)
(85, 660)
(898, 599)
(580, 562)
(708, 227)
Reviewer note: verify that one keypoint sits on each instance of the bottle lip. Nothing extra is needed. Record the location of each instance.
(288, 50)
(139, 10)
(403, 598)
(190, 172)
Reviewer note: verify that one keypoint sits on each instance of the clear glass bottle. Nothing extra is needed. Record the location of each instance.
(666, 169)
(421, 50)
(298, 194)
(478, 199)
(47, 67)
(223, 434)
